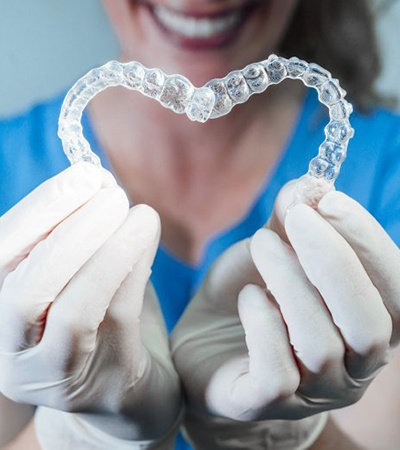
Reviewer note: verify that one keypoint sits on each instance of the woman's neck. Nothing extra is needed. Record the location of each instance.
(201, 178)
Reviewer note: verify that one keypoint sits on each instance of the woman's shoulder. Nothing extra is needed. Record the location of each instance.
(30, 151)
(378, 125)
(371, 173)
(376, 140)
(38, 119)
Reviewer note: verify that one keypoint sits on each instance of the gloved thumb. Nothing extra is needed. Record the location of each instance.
(306, 189)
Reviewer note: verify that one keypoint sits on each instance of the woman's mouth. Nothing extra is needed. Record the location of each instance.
(200, 31)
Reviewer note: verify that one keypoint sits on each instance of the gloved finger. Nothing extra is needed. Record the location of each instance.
(123, 315)
(75, 316)
(306, 189)
(286, 197)
(244, 386)
(377, 252)
(151, 317)
(228, 276)
(32, 219)
(154, 333)
(305, 314)
(30, 289)
(353, 301)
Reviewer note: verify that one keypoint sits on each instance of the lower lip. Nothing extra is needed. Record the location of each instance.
(211, 43)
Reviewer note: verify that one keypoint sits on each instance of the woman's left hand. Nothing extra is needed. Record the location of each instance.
(81, 330)
(297, 320)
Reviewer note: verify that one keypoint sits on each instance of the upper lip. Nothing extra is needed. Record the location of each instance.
(205, 11)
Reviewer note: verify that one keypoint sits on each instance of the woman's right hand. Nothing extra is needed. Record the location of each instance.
(291, 323)
(80, 326)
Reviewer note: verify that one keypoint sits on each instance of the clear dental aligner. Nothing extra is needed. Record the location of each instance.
(215, 99)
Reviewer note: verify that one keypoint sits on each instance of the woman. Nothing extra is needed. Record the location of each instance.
(104, 358)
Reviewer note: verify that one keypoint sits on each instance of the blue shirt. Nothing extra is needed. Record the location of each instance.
(31, 152)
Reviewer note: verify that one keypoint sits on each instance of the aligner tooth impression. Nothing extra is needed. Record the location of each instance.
(215, 99)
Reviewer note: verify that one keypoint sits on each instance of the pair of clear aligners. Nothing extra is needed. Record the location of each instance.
(213, 100)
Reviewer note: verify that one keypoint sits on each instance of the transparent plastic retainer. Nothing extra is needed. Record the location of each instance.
(216, 99)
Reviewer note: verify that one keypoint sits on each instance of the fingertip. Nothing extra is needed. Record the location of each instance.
(306, 190)
(295, 211)
(85, 171)
(108, 178)
(285, 199)
(258, 238)
(81, 180)
(112, 205)
(50, 203)
(304, 224)
(147, 212)
(257, 246)
(261, 242)
(352, 219)
(336, 203)
(298, 216)
(149, 219)
(121, 199)
(251, 296)
(144, 229)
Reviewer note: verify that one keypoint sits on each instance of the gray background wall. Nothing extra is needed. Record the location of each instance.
(45, 45)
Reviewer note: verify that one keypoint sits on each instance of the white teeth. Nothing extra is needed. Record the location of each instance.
(195, 27)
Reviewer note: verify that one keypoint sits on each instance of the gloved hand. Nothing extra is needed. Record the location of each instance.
(75, 263)
(287, 330)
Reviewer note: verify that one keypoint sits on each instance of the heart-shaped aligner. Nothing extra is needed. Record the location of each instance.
(215, 99)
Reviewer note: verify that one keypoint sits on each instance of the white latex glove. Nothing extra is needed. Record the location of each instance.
(287, 331)
(75, 263)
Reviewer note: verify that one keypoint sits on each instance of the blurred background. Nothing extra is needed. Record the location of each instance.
(46, 45)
